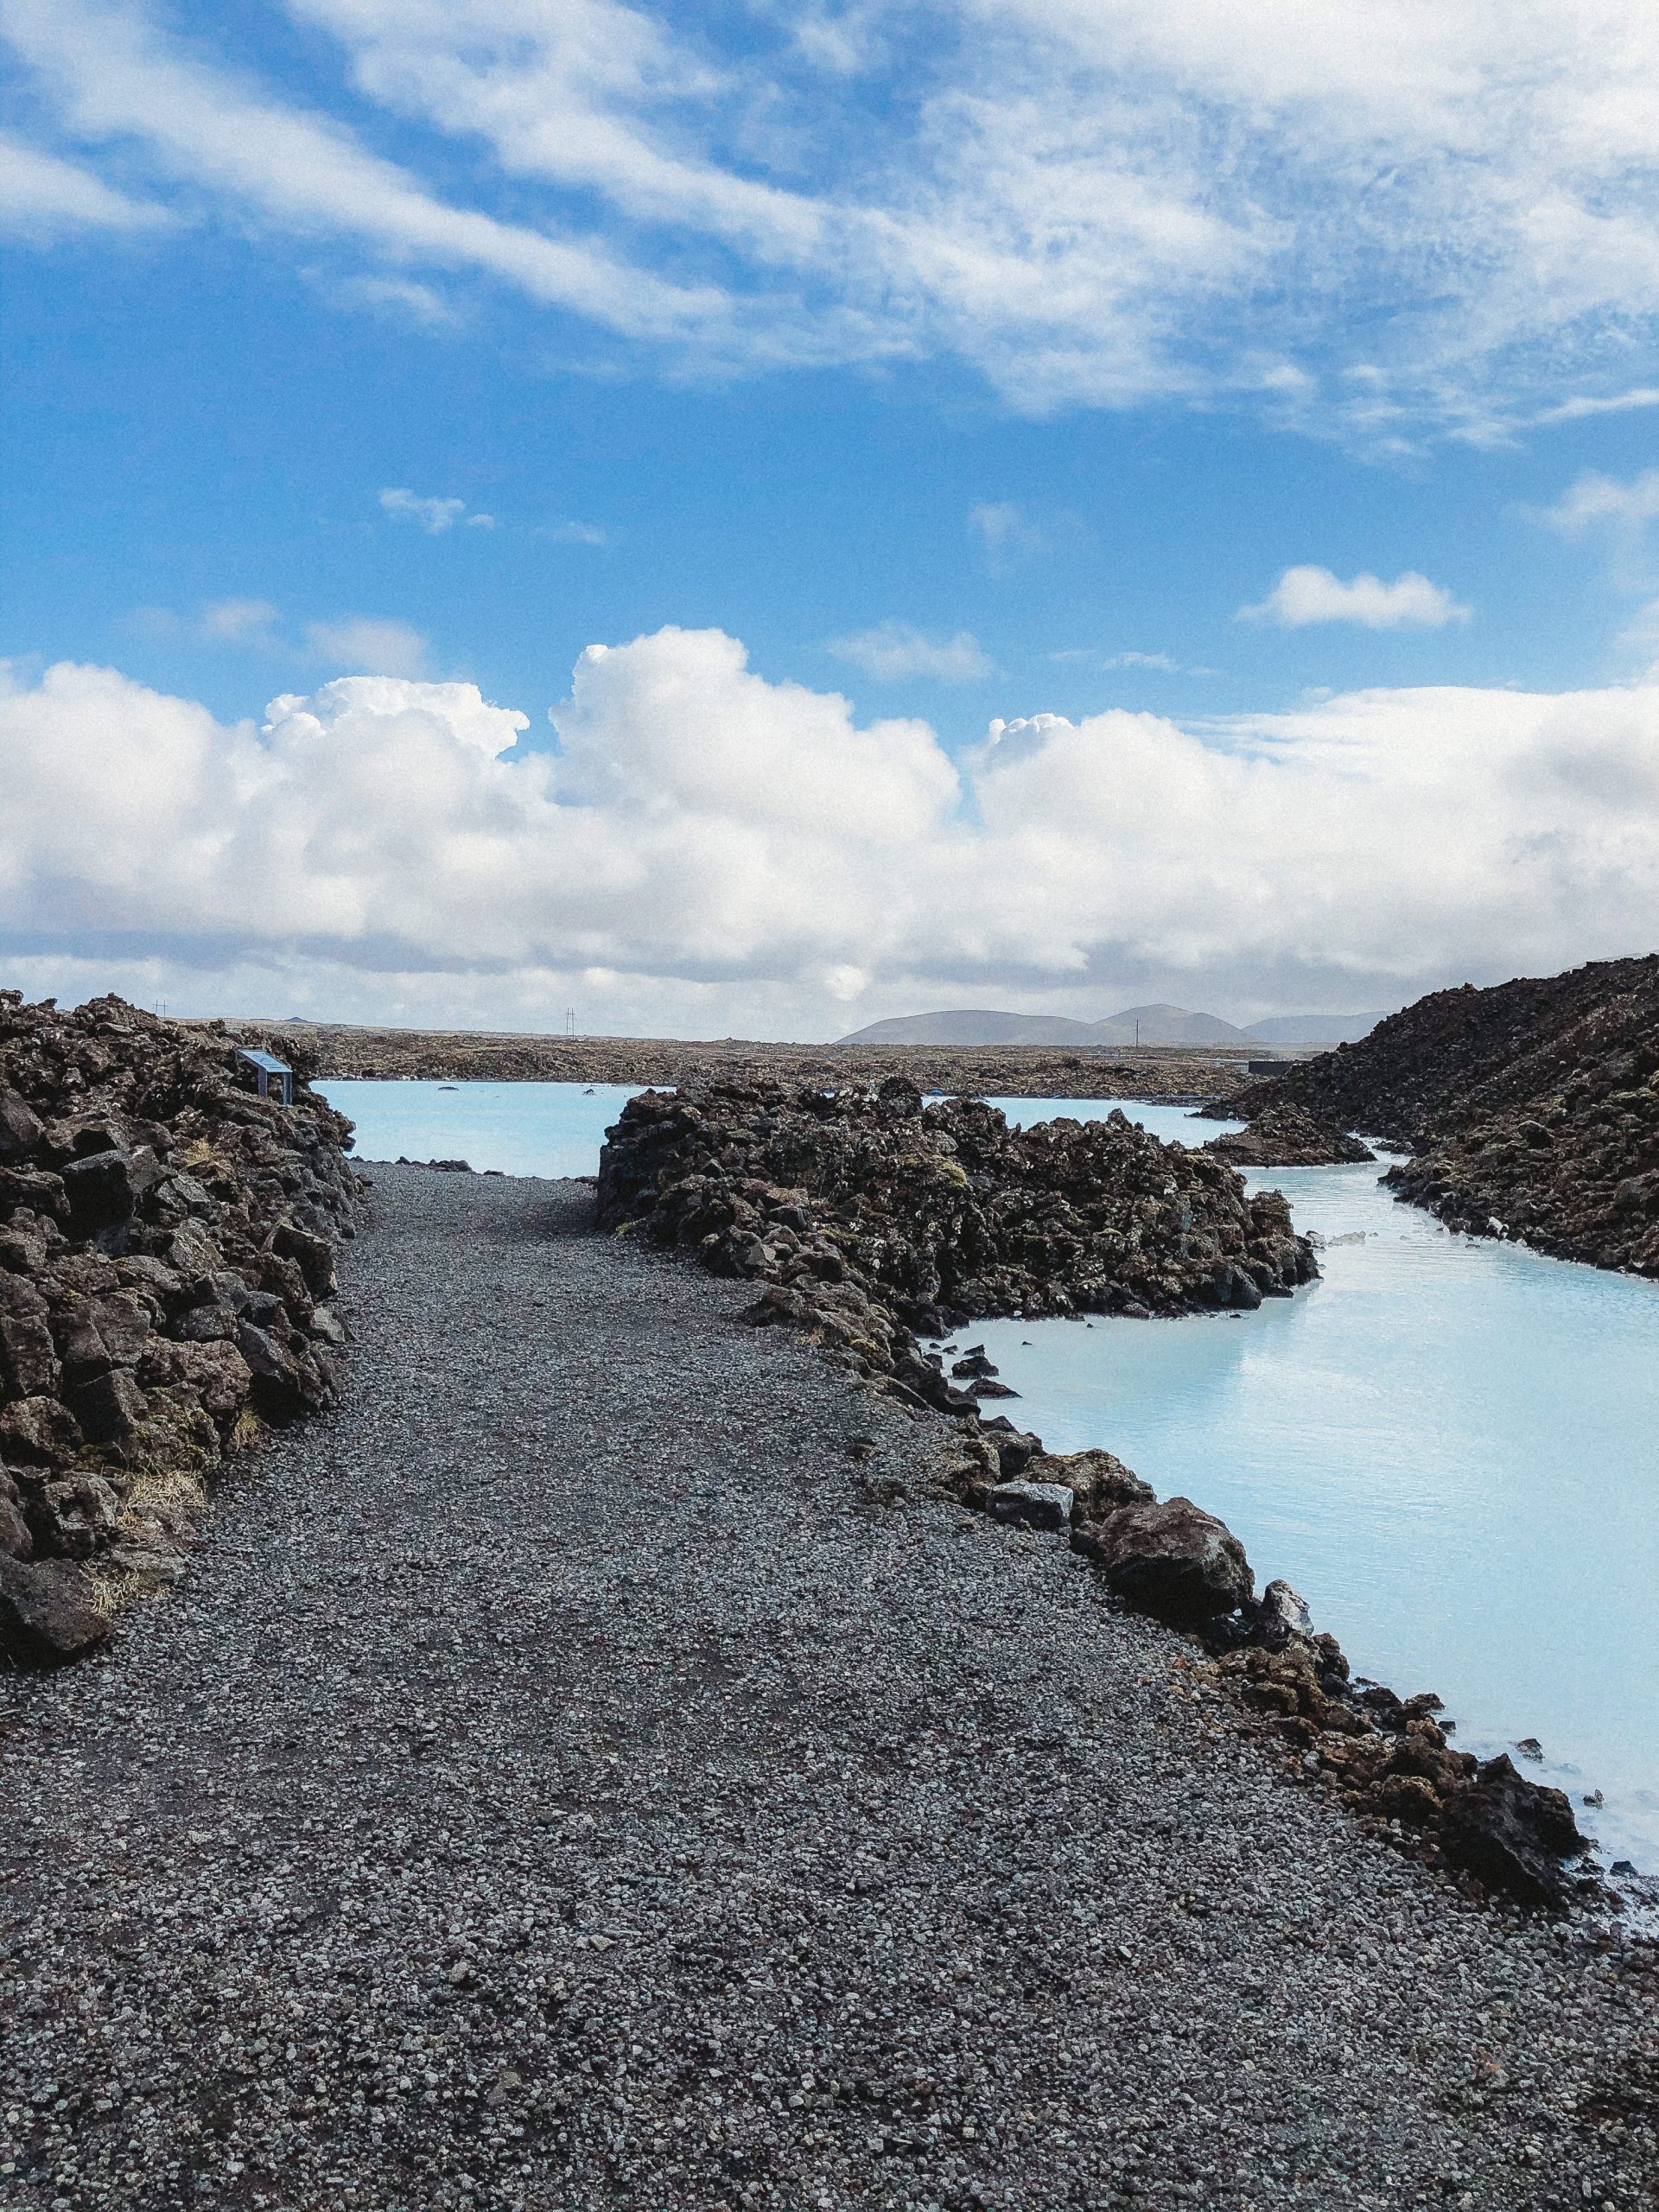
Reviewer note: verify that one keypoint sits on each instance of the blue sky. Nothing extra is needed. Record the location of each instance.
(1282, 378)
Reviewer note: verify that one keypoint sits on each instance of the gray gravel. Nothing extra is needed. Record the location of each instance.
(561, 1781)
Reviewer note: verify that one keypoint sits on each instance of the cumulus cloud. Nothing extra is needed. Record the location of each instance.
(384, 648)
(893, 652)
(1088, 201)
(704, 850)
(1309, 594)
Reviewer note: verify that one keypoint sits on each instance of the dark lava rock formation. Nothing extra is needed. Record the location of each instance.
(935, 1209)
(166, 1262)
(869, 1217)
(1531, 1109)
(1286, 1136)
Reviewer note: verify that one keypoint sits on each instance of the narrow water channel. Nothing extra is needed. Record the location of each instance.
(1449, 1445)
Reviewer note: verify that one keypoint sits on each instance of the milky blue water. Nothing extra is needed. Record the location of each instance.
(1449, 1445)
(520, 1129)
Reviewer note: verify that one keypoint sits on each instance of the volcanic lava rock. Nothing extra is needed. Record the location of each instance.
(1172, 1559)
(48, 1612)
(943, 1207)
(1032, 1505)
(154, 1215)
(1517, 1834)
(1286, 1136)
(1100, 1481)
(1532, 1109)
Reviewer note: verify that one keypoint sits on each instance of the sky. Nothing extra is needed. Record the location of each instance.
(753, 518)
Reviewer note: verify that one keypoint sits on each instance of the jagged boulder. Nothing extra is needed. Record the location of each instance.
(1170, 1559)
(1518, 1835)
(1099, 1481)
(48, 1612)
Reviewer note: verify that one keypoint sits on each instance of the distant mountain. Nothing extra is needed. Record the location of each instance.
(1167, 1024)
(1315, 1028)
(1147, 1025)
(975, 1025)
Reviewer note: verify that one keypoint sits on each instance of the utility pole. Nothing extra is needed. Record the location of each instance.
(569, 1021)
(1137, 1036)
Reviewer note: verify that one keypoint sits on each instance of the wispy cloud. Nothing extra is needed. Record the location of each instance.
(1581, 406)
(368, 644)
(574, 533)
(1309, 594)
(364, 645)
(250, 622)
(43, 196)
(1159, 663)
(1444, 224)
(1006, 534)
(892, 652)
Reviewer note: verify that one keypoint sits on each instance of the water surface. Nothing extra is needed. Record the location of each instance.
(518, 1128)
(1449, 1445)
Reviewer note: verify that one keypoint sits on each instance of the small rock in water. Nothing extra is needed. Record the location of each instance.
(1531, 1748)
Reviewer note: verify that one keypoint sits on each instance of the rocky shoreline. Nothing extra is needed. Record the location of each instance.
(1531, 1109)
(167, 1261)
(872, 1218)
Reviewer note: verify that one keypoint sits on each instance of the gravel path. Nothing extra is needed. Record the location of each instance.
(560, 1784)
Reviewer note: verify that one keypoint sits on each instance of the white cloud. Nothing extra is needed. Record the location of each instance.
(399, 297)
(1087, 202)
(1091, 656)
(41, 196)
(219, 622)
(893, 652)
(1578, 409)
(709, 851)
(1311, 594)
(1593, 498)
(382, 648)
(575, 533)
(434, 515)
(115, 76)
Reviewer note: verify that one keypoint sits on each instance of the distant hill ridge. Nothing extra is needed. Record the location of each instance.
(1142, 1024)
